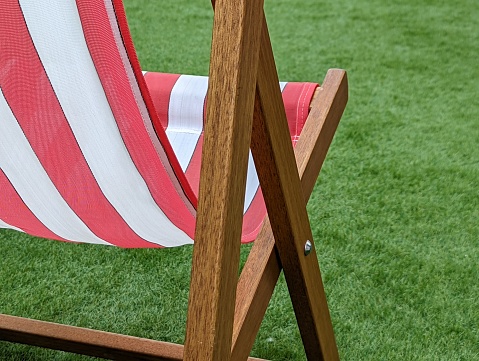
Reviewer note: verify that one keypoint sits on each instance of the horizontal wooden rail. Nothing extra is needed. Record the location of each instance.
(87, 341)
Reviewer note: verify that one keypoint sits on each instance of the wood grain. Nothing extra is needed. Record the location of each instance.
(233, 69)
(257, 280)
(326, 109)
(279, 178)
(88, 342)
(233, 77)
(263, 266)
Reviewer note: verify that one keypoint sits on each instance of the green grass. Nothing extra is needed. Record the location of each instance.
(394, 214)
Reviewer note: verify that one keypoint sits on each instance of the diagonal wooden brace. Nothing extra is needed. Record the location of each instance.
(280, 182)
(263, 266)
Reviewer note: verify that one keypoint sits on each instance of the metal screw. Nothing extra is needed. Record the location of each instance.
(307, 247)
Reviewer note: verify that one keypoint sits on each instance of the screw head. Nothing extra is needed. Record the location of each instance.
(307, 247)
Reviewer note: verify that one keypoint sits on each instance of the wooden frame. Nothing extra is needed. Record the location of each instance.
(244, 108)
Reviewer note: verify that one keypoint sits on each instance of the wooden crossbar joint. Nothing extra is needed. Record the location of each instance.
(263, 265)
(274, 158)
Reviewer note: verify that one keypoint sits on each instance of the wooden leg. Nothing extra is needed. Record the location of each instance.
(231, 92)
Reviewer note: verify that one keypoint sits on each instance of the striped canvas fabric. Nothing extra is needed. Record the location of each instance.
(92, 150)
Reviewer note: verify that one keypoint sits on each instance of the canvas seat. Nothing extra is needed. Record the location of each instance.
(105, 200)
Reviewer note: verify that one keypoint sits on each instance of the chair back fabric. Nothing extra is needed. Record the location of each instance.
(91, 150)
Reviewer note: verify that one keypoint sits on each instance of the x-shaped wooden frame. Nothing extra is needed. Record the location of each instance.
(245, 108)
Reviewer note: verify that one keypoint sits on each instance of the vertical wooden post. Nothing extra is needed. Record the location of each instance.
(233, 69)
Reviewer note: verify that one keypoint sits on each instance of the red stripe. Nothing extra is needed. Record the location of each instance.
(14, 212)
(296, 98)
(160, 86)
(194, 166)
(35, 106)
(109, 65)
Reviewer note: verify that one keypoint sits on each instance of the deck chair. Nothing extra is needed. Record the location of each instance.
(83, 139)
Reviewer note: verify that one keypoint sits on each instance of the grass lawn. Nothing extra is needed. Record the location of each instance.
(394, 214)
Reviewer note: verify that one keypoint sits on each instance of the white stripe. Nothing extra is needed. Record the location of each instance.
(56, 30)
(184, 145)
(22, 167)
(185, 116)
(252, 183)
(6, 225)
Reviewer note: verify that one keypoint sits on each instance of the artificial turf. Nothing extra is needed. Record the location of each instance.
(394, 213)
